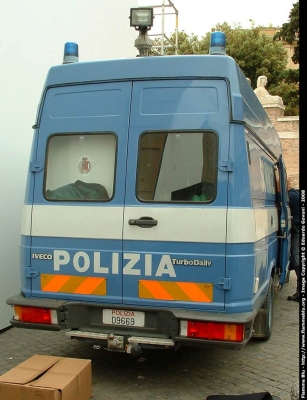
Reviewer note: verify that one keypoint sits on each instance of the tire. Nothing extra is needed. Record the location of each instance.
(268, 305)
(287, 278)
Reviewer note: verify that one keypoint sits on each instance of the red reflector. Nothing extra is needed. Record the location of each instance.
(215, 331)
(32, 314)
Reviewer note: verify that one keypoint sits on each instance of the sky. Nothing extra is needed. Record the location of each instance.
(199, 16)
(33, 34)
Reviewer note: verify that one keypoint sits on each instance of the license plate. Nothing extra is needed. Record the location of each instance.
(123, 317)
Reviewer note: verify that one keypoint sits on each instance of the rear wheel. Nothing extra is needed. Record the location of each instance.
(268, 306)
(262, 326)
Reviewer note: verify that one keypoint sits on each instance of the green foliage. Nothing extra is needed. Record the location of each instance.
(290, 95)
(255, 53)
(292, 75)
(290, 32)
(186, 44)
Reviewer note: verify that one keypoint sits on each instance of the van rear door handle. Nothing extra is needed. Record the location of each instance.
(143, 222)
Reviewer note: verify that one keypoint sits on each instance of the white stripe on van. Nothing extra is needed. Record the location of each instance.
(26, 220)
(251, 225)
(175, 224)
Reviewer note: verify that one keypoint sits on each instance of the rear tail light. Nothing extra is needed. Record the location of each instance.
(36, 315)
(212, 331)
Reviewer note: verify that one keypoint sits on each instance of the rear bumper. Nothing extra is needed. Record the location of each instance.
(83, 321)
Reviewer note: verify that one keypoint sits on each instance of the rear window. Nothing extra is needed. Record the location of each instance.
(177, 166)
(80, 167)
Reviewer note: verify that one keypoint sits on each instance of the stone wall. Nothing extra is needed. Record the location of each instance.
(288, 130)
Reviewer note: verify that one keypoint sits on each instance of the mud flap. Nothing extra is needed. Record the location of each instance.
(259, 326)
(262, 327)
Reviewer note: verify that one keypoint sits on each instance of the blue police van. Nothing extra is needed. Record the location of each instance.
(156, 211)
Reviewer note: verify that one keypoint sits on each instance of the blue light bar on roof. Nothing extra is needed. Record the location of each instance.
(217, 43)
(71, 53)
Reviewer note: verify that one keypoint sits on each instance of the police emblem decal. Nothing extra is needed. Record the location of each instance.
(84, 165)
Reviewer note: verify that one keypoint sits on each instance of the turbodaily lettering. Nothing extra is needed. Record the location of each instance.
(204, 263)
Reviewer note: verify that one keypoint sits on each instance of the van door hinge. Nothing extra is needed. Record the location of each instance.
(36, 166)
(226, 165)
(223, 283)
(32, 272)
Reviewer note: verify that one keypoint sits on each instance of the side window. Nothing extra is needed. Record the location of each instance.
(277, 182)
(177, 167)
(262, 173)
(268, 176)
(80, 167)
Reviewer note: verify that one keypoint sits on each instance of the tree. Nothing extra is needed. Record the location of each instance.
(290, 96)
(255, 53)
(187, 44)
(290, 32)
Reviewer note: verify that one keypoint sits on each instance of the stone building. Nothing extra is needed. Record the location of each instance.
(288, 130)
(287, 127)
(270, 32)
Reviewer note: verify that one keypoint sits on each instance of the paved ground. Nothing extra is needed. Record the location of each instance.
(188, 373)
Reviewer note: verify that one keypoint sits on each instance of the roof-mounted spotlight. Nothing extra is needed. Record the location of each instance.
(141, 18)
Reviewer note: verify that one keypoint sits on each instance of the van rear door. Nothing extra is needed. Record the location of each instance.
(284, 224)
(174, 228)
(77, 217)
(131, 205)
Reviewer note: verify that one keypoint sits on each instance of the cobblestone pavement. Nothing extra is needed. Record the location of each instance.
(188, 373)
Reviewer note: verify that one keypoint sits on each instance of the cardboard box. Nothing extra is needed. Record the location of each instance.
(48, 378)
